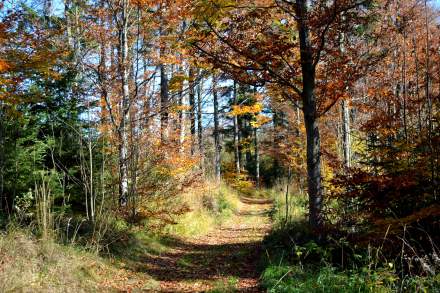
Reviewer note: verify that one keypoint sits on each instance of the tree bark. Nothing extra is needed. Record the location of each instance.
(125, 107)
(217, 146)
(182, 116)
(257, 158)
(236, 131)
(310, 118)
(199, 123)
(192, 116)
(3, 198)
(163, 103)
(346, 137)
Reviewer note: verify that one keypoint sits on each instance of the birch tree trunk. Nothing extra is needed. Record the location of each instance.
(346, 137)
(346, 131)
(125, 107)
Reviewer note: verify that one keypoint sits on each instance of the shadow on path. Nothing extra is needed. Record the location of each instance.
(229, 254)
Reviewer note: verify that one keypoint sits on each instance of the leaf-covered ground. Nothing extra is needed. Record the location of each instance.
(223, 260)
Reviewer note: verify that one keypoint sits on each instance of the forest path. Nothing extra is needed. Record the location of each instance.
(224, 260)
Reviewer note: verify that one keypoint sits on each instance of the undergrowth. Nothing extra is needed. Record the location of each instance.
(29, 264)
(294, 261)
(75, 255)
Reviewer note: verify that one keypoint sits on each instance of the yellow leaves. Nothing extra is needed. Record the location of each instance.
(212, 11)
(181, 108)
(238, 110)
(259, 121)
(176, 82)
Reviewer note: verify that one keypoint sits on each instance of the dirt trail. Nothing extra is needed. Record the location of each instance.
(222, 260)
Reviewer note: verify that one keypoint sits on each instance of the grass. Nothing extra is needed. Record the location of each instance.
(225, 286)
(116, 258)
(293, 262)
(285, 278)
(296, 206)
(32, 265)
(209, 206)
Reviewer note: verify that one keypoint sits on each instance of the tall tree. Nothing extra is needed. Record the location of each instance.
(287, 45)
(124, 68)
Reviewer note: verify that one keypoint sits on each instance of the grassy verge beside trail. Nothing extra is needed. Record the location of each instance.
(294, 262)
(28, 264)
(31, 263)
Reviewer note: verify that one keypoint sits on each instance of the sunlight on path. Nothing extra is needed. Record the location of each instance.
(223, 260)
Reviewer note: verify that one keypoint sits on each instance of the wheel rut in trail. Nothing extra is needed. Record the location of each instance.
(224, 259)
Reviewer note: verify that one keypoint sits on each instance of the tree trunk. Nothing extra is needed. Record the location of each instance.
(236, 131)
(163, 103)
(181, 124)
(199, 123)
(257, 159)
(217, 146)
(47, 11)
(248, 138)
(164, 99)
(310, 119)
(123, 135)
(346, 137)
(3, 198)
(67, 16)
(192, 116)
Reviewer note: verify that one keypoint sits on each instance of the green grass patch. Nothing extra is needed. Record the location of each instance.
(225, 286)
(209, 207)
(294, 262)
(29, 264)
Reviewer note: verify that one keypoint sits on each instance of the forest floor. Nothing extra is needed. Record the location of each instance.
(224, 260)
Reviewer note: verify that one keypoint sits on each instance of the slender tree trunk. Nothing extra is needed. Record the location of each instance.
(257, 158)
(192, 116)
(200, 123)
(217, 146)
(429, 99)
(164, 99)
(91, 183)
(310, 119)
(404, 89)
(163, 103)
(419, 102)
(182, 118)
(3, 204)
(236, 131)
(147, 101)
(346, 131)
(47, 10)
(240, 140)
(248, 138)
(346, 136)
(67, 16)
(125, 108)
